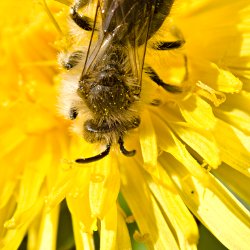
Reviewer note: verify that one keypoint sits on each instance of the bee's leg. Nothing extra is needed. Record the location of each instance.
(96, 157)
(162, 45)
(93, 129)
(123, 150)
(70, 60)
(80, 3)
(169, 45)
(82, 21)
(97, 133)
(73, 113)
(153, 76)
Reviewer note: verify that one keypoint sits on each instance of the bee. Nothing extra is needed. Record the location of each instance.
(110, 73)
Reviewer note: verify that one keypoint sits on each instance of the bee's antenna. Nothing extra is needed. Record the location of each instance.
(123, 150)
(96, 157)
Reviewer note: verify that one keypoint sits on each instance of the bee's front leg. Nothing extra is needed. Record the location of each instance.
(69, 60)
(83, 22)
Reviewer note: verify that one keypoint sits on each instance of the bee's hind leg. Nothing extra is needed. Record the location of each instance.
(154, 77)
(166, 45)
(169, 45)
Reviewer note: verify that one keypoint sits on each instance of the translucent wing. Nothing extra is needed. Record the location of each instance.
(124, 31)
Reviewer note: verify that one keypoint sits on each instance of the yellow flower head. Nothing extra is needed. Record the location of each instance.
(192, 145)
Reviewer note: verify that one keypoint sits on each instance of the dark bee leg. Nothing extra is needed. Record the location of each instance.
(123, 150)
(80, 3)
(161, 11)
(69, 62)
(168, 45)
(153, 76)
(97, 133)
(82, 21)
(73, 113)
(94, 158)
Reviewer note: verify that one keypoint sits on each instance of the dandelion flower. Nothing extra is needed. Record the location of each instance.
(192, 147)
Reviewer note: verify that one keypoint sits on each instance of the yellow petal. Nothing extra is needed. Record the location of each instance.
(77, 205)
(234, 180)
(31, 182)
(238, 101)
(122, 237)
(213, 205)
(197, 113)
(7, 188)
(222, 35)
(200, 141)
(232, 151)
(83, 240)
(243, 138)
(154, 231)
(148, 140)
(109, 229)
(47, 231)
(175, 209)
(168, 142)
(235, 117)
(13, 238)
(215, 77)
(61, 188)
(6, 213)
(10, 139)
(104, 186)
(18, 225)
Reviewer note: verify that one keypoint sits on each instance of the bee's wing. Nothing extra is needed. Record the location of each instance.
(138, 21)
(123, 23)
